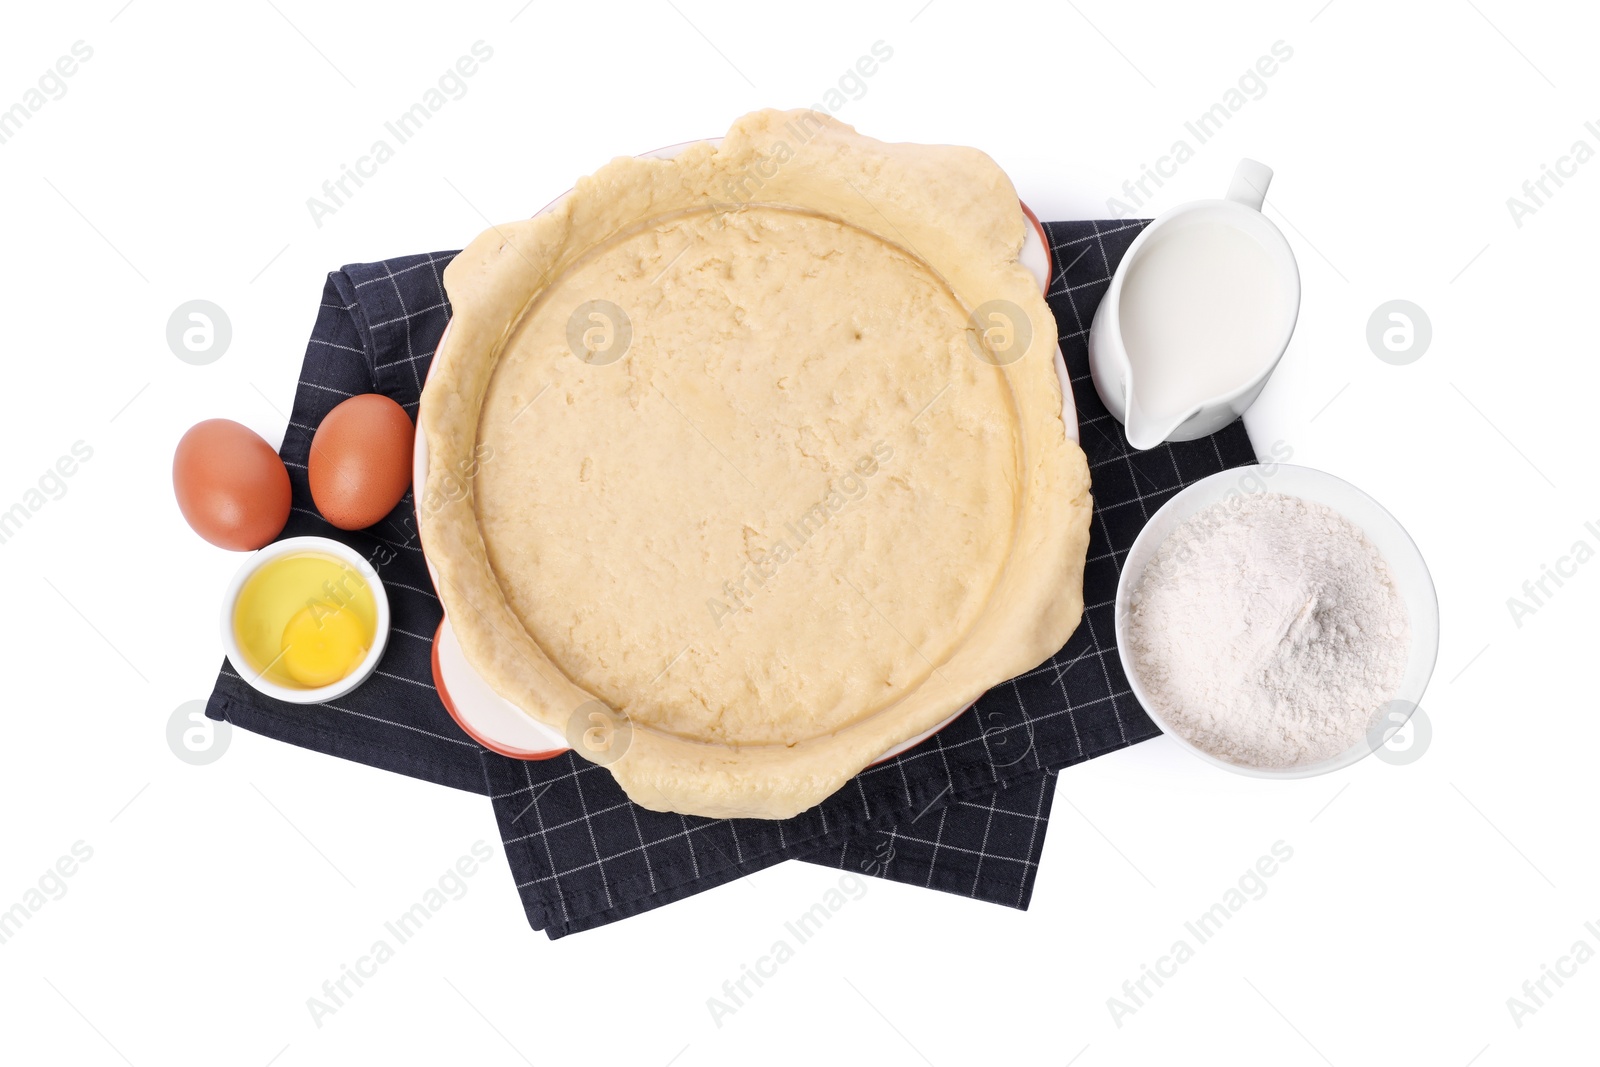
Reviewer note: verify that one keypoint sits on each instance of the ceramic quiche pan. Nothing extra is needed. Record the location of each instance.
(766, 461)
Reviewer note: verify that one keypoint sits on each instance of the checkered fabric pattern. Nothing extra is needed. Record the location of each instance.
(965, 811)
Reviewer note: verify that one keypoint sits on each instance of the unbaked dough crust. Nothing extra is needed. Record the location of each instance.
(798, 521)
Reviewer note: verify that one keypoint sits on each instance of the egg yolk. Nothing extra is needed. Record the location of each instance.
(305, 620)
(322, 643)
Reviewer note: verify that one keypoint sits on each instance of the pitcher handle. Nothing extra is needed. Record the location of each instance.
(1249, 185)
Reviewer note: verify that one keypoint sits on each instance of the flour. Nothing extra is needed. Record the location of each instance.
(1268, 631)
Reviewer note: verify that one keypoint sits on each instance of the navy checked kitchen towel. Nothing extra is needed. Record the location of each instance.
(964, 812)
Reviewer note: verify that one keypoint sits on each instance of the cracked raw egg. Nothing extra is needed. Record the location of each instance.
(305, 620)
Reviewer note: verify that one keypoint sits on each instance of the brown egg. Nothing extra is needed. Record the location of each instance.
(231, 486)
(361, 461)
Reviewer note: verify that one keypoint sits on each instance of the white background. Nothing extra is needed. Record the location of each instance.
(219, 898)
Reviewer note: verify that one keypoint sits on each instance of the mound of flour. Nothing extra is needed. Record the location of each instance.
(1268, 631)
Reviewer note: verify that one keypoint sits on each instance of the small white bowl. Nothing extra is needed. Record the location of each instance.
(286, 547)
(1406, 566)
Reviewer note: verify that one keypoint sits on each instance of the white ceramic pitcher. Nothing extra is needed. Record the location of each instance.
(1198, 314)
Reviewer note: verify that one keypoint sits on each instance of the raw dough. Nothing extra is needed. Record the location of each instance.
(775, 511)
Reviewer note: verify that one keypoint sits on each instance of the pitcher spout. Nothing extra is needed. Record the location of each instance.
(1146, 432)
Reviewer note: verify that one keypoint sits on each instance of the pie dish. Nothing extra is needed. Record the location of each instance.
(499, 725)
(763, 461)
